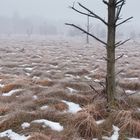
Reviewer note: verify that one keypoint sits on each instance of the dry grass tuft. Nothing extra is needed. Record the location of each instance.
(60, 106)
(9, 87)
(127, 122)
(45, 82)
(86, 125)
(39, 136)
(4, 109)
(93, 111)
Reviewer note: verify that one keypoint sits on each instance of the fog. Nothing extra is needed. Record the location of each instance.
(39, 16)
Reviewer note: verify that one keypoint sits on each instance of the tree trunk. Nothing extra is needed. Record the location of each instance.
(110, 78)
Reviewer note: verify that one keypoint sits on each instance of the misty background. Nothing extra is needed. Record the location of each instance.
(47, 17)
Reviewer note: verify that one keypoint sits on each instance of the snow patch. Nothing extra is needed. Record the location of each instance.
(1, 85)
(35, 97)
(29, 68)
(12, 135)
(11, 92)
(44, 107)
(71, 90)
(115, 136)
(25, 125)
(99, 122)
(130, 91)
(73, 108)
(53, 125)
(87, 77)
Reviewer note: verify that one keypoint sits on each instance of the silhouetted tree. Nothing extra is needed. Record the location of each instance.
(114, 20)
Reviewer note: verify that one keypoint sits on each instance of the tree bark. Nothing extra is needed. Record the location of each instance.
(110, 78)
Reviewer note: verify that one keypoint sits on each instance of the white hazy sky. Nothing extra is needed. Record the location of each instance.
(58, 9)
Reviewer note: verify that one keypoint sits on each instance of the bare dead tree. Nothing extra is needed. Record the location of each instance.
(114, 20)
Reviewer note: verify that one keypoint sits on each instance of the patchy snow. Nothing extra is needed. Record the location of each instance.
(130, 91)
(25, 125)
(133, 139)
(87, 77)
(132, 78)
(73, 108)
(44, 107)
(12, 135)
(71, 90)
(53, 125)
(35, 97)
(115, 135)
(100, 122)
(29, 68)
(1, 85)
(97, 80)
(36, 78)
(11, 92)
(28, 74)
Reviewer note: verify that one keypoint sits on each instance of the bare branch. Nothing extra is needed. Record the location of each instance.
(119, 6)
(93, 14)
(121, 42)
(119, 57)
(124, 21)
(96, 38)
(105, 2)
(83, 13)
(94, 89)
(119, 72)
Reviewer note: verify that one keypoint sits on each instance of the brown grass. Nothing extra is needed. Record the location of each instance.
(86, 125)
(95, 111)
(39, 136)
(45, 82)
(4, 109)
(127, 122)
(9, 87)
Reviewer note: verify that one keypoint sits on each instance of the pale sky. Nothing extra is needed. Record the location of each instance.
(58, 9)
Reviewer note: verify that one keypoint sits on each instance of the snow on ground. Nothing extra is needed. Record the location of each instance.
(100, 122)
(73, 108)
(12, 135)
(115, 135)
(53, 125)
(133, 139)
(29, 68)
(35, 97)
(130, 91)
(1, 85)
(44, 107)
(25, 125)
(11, 92)
(71, 90)
(87, 77)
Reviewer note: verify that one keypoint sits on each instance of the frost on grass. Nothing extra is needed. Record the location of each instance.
(53, 125)
(12, 135)
(11, 92)
(73, 108)
(25, 125)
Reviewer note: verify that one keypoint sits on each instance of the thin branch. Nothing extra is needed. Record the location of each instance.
(119, 9)
(96, 38)
(94, 89)
(121, 43)
(73, 8)
(105, 2)
(119, 57)
(94, 15)
(124, 21)
(119, 72)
